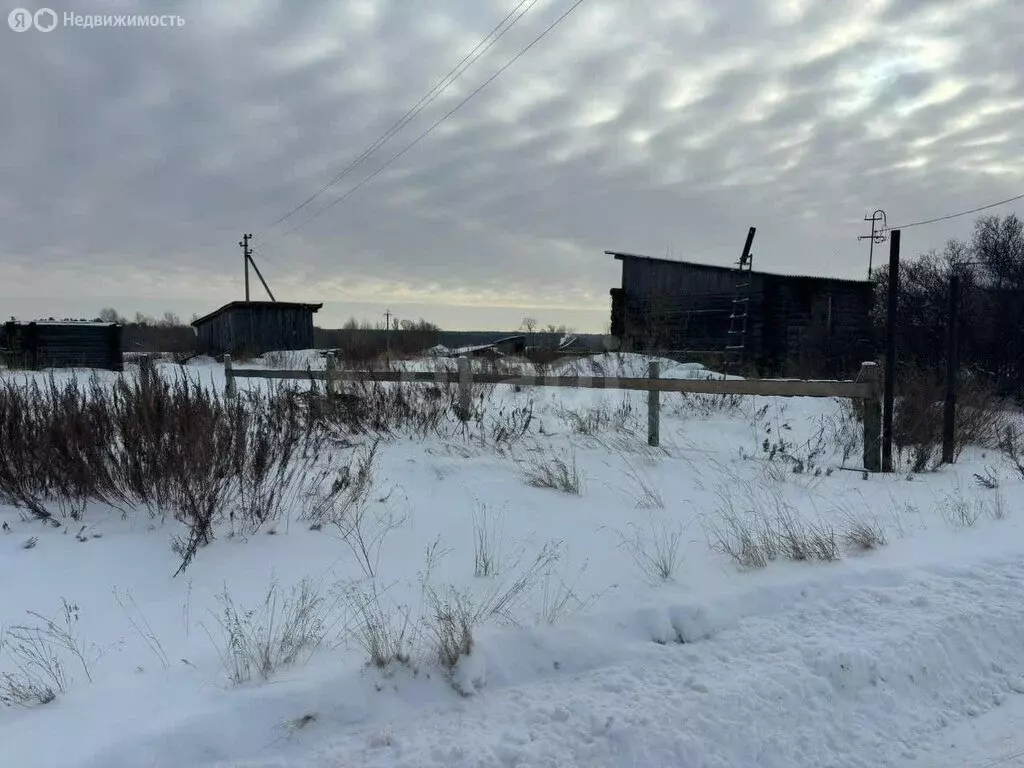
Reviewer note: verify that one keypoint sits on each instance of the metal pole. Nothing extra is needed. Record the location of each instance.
(952, 363)
(889, 393)
(871, 248)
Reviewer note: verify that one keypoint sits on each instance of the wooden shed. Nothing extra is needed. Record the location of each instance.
(794, 325)
(62, 344)
(256, 327)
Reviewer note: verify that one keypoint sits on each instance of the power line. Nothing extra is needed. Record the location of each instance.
(433, 127)
(962, 213)
(439, 88)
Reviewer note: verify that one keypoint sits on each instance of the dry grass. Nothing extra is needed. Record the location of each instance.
(284, 629)
(769, 530)
(384, 634)
(863, 535)
(654, 549)
(487, 542)
(39, 653)
(550, 470)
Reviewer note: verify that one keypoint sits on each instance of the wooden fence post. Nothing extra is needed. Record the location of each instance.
(653, 406)
(465, 387)
(229, 376)
(332, 367)
(872, 418)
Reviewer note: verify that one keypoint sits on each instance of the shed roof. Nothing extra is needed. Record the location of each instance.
(256, 305)
(714, 267)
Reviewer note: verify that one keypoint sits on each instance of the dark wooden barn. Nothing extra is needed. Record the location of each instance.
(795, 326)
(256, 327)
(62, 344)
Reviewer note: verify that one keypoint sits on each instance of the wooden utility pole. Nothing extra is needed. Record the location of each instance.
(247, 256)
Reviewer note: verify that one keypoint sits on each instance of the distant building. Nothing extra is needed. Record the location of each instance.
(795, 325)
(256, 327)
(61, 344)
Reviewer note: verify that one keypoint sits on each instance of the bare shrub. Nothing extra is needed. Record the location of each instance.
(286, 360)
(843, 429)
(341, 491)
(917, 420)
(603, 417)
(1011, 443)
(549, 470)
(988, 479)
(168, 447)
(654, 549)
(282, 630)
(705, 406)
(959, 512)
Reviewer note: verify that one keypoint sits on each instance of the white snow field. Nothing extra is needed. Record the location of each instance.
(608, 629)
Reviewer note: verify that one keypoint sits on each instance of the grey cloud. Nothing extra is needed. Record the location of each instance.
(133, 154)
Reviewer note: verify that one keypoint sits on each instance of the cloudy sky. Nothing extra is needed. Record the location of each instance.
(132, 160)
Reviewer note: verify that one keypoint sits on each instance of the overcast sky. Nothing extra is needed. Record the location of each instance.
(132, 160)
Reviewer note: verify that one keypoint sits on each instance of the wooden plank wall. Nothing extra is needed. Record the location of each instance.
(257, 330)
(64, 345)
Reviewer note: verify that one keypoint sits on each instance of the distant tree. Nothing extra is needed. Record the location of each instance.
(170, 320)
(111, 315)
(990, 266)
(528, 324)
(419, 325)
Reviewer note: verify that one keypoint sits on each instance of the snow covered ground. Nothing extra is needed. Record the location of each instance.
(909, 654)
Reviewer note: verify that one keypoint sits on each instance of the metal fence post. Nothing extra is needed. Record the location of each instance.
(872, 418)
(229, 377)
(653, 406)
(889, 394)
(465, 387)
(952, 363)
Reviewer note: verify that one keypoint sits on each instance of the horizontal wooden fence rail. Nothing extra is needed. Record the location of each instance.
(866, 388)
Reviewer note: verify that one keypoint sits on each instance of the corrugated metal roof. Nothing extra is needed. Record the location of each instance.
(256, 305)
(715, 267)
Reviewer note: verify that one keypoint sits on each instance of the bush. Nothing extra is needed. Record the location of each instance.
(168, 447)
